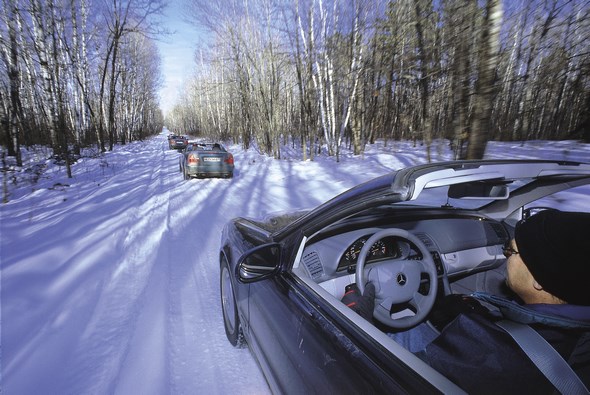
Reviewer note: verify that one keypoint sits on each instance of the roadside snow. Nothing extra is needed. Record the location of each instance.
(109, 280)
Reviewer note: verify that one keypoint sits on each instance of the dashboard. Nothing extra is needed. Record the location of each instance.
(461, 245)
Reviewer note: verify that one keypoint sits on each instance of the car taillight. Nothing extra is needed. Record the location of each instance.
(230, 159)
(193, 160)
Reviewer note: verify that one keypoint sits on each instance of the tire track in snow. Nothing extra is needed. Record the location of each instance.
(113, 356)
(151, 331)
(203, 358)
(146, 368)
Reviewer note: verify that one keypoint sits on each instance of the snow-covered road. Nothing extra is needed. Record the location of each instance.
(110, 284)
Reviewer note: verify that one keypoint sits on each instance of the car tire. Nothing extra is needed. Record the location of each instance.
(231, 319)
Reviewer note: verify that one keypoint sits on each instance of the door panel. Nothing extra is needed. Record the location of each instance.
(302, 346)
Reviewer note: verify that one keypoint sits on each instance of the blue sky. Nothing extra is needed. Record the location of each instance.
(177, 54)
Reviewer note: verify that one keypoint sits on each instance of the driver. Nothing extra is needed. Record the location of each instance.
(548, 269)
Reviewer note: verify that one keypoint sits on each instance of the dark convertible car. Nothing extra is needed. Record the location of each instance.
(177, 142)
(421, 233)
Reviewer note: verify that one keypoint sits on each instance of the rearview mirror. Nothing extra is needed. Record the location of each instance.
(479, 190)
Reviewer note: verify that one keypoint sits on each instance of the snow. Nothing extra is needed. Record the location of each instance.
(110, 280)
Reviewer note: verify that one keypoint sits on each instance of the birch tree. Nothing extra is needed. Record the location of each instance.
(13, 114)
(354, 70)
(331, 72)
(122, 18)
(481, 127)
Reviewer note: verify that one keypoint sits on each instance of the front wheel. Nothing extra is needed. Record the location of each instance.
(231, 320)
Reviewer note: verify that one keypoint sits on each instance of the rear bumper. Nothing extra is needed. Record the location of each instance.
(201, 171)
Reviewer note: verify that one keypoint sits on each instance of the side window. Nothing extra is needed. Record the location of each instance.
(575, 199)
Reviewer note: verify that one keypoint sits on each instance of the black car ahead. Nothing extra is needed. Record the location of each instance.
(177, 142)
(427, 231)
(171, 138)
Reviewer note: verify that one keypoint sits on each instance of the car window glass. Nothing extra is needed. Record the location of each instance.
(575, 199)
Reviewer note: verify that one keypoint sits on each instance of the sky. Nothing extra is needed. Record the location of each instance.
(177, 54)
(110, 280)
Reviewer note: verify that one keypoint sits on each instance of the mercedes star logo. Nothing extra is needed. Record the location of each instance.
(401, 279)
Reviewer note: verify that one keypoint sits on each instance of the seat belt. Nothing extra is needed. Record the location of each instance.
(545, 357)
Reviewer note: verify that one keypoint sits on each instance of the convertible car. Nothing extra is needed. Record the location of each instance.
(421, 233)
(177, 142)
(206, 160)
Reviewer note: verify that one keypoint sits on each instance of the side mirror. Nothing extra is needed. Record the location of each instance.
(259, 263)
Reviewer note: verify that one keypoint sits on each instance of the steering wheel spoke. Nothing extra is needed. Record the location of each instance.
(420, 300)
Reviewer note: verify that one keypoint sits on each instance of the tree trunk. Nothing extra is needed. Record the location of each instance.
(15, 112)
(423, 82)
(484, 96)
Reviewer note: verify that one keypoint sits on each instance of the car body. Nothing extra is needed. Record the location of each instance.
(282, 278)
(177, 142)
(171, 138)
(206, 160)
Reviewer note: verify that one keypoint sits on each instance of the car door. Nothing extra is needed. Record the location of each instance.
(304, 345)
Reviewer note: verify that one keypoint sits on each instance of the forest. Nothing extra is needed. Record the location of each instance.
(318, 74)
(78, 73)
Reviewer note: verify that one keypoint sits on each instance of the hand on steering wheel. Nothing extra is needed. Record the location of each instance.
(397, 282)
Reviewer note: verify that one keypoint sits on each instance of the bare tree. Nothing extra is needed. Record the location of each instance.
(122, 18)
(10, 56)
(488, 56)
(49, 54)
(330, 72)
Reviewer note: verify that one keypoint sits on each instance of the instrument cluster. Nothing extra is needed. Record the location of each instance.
(386, 248)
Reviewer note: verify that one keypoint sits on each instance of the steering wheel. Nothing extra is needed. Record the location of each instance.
(397, 282)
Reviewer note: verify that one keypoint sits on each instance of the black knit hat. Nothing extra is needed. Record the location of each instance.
(555, 247)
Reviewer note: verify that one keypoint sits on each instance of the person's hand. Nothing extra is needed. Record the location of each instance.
(361, 304)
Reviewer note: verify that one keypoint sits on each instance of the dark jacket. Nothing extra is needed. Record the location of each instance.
(482, 358)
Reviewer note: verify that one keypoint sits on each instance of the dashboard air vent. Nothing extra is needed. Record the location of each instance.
(313, 264)
(425, 239)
